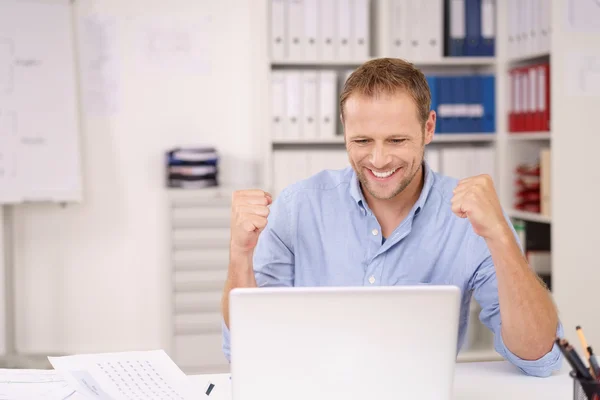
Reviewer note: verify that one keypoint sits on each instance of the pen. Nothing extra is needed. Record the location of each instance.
(573, 359)
(584, 344)
(593, 363)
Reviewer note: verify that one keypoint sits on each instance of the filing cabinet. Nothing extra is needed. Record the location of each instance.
(199, 255)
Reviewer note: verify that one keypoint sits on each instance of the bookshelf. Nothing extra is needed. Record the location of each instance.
(509, 149)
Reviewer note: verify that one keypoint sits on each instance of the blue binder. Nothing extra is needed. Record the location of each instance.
(488, 44)
(472, 98)
(445, 96)
(473, 21)
(459, 86)
(432, 82)
(489, 103)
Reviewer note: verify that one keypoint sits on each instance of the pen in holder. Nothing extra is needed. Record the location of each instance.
(585, 389)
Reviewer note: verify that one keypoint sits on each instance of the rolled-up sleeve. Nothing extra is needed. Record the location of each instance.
(273, 260)
(485, 289)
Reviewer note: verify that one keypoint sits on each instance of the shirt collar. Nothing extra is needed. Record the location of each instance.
(357, 194)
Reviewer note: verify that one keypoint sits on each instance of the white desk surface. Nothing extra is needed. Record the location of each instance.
(473, 381)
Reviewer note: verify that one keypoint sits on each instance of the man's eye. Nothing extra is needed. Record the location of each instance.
(397, 141)
(361, 141)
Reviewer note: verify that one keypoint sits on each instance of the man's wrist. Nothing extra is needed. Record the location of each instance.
(501, 237)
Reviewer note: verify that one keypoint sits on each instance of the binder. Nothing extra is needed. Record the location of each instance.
(311, 31)
(413, 30)
(530, 105)
(488, 28)
(361, 24)
(327, 30)
(444, 107)
(433, 158)
(512, 125)
(296, 36)
(278, 30)
(400, 42)
(432, 82)
(461, 109)
(344, 42)
(545, 25)
(544, 96)
(519, 116)
(432, 42)
(457, 27)
(473, 22)
(489, 103)
(278, 104)
(293, 117)
(327, 104)
(310, 121)
(475, 100)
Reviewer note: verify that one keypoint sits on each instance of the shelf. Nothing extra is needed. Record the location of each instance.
(463, 137)
(312, 141)
(529, 216)
(465, 61)
(529, 136)
(437, 138)
(533, 57)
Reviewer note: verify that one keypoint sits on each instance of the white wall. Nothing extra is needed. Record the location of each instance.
(93, 277)
(575, 177)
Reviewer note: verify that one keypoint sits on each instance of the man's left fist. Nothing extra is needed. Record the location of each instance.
(475, 198)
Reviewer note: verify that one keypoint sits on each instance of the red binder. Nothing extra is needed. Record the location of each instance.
(512, 78)
(544, 72)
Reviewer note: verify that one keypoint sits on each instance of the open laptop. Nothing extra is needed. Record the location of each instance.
(344, 342)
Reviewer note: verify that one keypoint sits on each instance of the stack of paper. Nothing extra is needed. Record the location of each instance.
(149, 375)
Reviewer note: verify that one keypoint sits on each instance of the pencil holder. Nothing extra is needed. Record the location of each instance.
(584, 389)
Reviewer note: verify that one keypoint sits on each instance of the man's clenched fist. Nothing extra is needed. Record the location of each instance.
(249, 212)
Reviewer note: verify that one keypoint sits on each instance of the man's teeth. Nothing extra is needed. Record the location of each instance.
(383, 174)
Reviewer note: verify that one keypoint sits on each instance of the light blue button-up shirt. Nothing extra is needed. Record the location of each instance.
(321, 232)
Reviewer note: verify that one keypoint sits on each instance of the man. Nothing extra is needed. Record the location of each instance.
(390, 220)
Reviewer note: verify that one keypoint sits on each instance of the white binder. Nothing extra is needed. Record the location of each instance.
(278, 34)
(296, 36)
(327, 104)
(361, 26)
(311, 30)
(344, 42)
(289, 166)
(400, 41)
(310, 121)
(432, 34)
(512, 49)
(488, 19)
(278, 104)
(545, 25)
(327, 30)
(293, 118)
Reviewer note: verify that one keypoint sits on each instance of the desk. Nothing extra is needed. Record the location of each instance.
(473, 381)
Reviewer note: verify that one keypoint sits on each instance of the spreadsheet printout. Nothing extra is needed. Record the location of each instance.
(143, 375)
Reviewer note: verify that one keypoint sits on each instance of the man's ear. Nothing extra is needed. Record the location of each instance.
(430, 127)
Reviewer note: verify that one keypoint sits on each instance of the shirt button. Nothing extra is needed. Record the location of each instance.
(374, 232)
(371, 279)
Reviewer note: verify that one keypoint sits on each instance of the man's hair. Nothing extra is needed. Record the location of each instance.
(389, 76)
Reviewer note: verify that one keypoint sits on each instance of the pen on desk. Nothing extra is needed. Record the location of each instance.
(593, 363)
(209, 389)
(584, 344)
(573, 359)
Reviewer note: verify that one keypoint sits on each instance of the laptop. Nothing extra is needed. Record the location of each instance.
(345, 343)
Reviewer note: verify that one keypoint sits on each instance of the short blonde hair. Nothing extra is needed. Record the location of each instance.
(388, 76)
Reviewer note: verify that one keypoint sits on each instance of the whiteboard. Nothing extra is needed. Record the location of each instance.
(39, 135)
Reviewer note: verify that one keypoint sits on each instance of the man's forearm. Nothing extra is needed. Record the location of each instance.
(529, 317)
(240, 274)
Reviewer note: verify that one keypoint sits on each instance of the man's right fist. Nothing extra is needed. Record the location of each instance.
(249, 211)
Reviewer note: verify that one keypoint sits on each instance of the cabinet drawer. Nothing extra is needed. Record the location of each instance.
(198, 323)
(191, 238)
(194, 302)
(200, 281)
(201, 217)
(201, 259)
(199, 351)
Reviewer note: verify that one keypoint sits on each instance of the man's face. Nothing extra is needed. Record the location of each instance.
(385, 141)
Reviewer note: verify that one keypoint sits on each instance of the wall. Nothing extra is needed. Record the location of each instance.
(575, 211)
(93, 277)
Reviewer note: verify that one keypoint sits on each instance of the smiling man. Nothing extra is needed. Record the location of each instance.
(390, 220)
